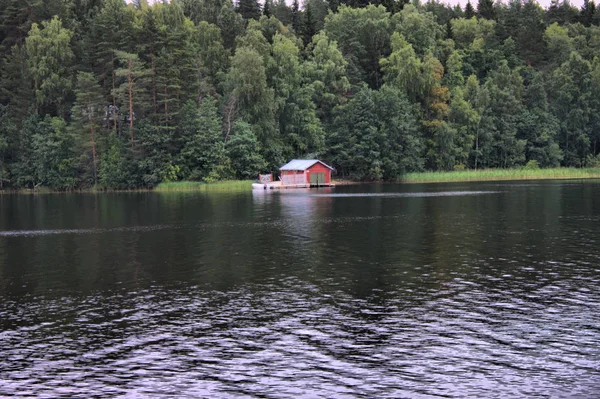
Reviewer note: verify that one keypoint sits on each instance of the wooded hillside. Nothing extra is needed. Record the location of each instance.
(114, 95)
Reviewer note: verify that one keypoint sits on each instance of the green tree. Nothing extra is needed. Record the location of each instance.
(586, 15)
(231, 24)
(243, 149)
(486, 9)
(404, 70)
(326, 68)
(454, 71)
(7, 132)
(249, 9)
(202, 10)
(308, 24)
(465, 31)
(560, 45)
(375, 136)
(214, 58)
(177, 68)
(111, 29)
(132, 91)
(469, 10)
(49, 57)
(363, 36)
(503, 92)
(296, 16)
(22, 167)
(399, 129)
(267, 8)
(18, 16)
(464, 120)
(298, 124)
(202, 156)
(15, 86)
(255, 100)
(282, 12)
(571, 100)
(115, 167)
(319, 10)
(53, 153)
(539, 127)
(419, 28)
(87, 113)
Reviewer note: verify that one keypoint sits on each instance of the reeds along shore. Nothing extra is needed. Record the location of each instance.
(501, 174)
(226, 185)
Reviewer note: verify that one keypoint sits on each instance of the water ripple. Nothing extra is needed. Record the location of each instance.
(407, 195)
(296, 340)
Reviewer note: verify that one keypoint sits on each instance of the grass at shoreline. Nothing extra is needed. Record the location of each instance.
(417, 177)
(501, 174)
(226, 185)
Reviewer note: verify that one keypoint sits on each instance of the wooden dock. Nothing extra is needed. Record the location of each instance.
(278, 185)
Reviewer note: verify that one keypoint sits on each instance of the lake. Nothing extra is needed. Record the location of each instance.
(440, 290)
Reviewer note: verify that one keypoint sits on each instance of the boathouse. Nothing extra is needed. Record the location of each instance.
(306, 172)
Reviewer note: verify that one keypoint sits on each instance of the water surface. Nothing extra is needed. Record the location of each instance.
(439, 290)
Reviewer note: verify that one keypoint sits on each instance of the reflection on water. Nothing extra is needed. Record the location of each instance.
(30, 233)
(404, 195)
(409, 291)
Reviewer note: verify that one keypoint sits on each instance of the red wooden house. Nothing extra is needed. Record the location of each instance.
(306, 172)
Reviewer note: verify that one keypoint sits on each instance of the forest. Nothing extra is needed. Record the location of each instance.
(111, 94)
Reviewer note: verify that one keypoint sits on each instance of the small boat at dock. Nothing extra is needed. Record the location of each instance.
(266, 186)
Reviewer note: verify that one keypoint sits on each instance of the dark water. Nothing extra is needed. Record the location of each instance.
(457, 290)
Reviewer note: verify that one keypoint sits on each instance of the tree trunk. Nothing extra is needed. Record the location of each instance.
(114, 78)
(229, 113)
(35, 85)
(130, 86)
(154, 101)
(166, 106)
(476, 148)
(94, 163)
(567, 146)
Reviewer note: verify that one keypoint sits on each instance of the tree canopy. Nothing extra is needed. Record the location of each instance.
(117, 94)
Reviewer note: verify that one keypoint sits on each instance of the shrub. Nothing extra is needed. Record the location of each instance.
(532, 165)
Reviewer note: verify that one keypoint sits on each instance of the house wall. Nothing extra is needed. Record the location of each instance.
(292, 177)
(319, 168)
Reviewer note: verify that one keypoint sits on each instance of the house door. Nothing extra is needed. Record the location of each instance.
(317, 178)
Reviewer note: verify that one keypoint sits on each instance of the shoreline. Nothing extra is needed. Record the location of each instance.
(466, 176)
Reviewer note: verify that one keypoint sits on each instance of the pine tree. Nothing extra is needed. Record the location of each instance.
(249, 9)
(486, 9)
(131, 92)
(267, 8)
(588, 9)
(539, 127)
(469, 10)
(15, 86)
(308, 24)
(87, 113)
(202, 156)
(333, 5)
(7, 133)
(111, 29)
(296, 16)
